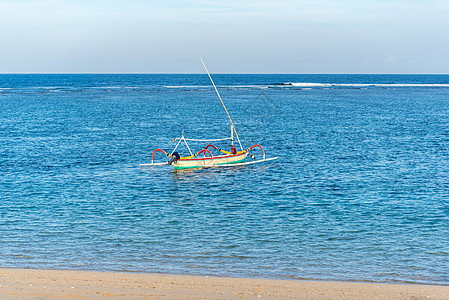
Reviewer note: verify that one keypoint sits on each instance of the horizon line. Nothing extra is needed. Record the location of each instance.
(187, 73)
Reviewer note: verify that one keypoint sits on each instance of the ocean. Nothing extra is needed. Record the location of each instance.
(360, 191)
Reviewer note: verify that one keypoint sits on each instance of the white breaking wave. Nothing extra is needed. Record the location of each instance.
(307, 84)
(185, 86)
(218, 86)
(312, 84)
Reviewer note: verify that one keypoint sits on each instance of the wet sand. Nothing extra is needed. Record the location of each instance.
(66, 284)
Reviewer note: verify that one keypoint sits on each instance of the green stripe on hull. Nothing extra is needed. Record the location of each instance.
(195, 167)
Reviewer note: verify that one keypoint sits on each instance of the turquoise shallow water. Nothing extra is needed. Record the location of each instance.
(360, 190)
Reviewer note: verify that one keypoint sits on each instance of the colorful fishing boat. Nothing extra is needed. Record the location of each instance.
(205, 158)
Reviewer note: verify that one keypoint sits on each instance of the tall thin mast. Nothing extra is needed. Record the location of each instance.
(232, 124)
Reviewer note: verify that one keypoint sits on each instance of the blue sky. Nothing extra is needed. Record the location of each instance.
(264, 36)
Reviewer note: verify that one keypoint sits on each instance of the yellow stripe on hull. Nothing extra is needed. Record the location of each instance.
(207, 162)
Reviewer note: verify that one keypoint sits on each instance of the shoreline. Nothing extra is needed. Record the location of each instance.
(72, 284)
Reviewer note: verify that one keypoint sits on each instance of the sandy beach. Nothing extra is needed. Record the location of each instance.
(65, 284)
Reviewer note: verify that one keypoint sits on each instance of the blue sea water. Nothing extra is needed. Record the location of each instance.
(360, 190)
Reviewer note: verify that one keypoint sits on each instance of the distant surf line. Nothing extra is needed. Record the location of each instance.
(313, 84)
(309, 85)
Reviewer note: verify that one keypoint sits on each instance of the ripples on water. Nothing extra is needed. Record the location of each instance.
(359, 192)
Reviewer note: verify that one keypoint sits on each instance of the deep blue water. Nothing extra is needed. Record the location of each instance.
(360, 190)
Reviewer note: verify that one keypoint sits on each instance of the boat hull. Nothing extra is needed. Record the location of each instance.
(208, 161)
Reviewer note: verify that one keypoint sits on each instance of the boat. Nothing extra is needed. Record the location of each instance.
(205, 158)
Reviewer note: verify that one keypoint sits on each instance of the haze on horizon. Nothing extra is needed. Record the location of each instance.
(249, 36)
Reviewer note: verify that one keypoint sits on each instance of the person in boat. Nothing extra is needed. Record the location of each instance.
(233, 150)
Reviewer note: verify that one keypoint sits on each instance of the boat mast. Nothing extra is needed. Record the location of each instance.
(232, 124)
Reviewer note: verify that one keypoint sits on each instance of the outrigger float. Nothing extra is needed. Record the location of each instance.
(207, 159)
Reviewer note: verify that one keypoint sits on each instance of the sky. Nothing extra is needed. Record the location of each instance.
(232, 36)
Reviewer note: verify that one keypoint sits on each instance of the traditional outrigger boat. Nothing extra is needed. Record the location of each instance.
(207, 160)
